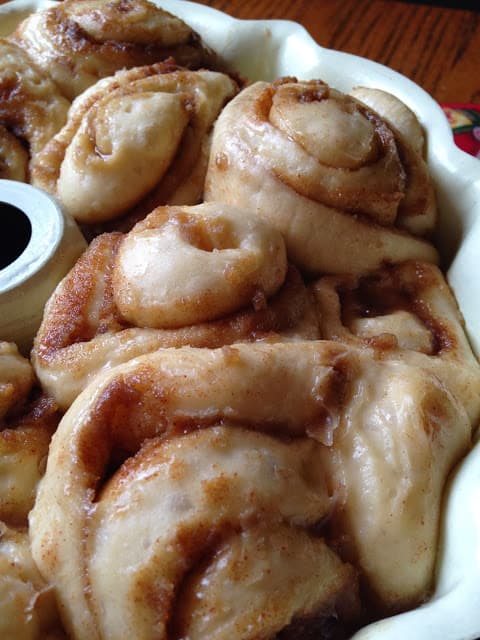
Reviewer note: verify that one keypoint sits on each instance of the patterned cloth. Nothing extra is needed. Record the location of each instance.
(465, 122)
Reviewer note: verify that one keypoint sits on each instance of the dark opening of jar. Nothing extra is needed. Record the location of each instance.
(15, 235)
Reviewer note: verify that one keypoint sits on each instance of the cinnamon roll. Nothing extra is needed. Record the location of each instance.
(181, 495)
(134, 141)
(77, 42)
(24, 442)
(204, 276)
(31, 111)
(346, 189)
(407, 318)
(390, 458)
(406, 313)
(175, 480)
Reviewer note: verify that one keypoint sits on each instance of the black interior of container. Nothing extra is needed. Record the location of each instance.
(15, 233)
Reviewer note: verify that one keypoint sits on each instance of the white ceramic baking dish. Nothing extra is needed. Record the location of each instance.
(269, 49)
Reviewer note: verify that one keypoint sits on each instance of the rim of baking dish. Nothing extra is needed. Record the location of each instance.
(267, 49)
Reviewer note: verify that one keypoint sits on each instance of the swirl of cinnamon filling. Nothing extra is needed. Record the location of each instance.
(419, 196)
(194, 264)
(407, 313)
(181, 494)
(347, 190)
(204, 276)
(174, 480)
(399, 438)
(79, 42)
(137, 139)
(406, 316)
(32, 111)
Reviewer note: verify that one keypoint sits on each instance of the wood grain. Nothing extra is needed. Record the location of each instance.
(438, 48)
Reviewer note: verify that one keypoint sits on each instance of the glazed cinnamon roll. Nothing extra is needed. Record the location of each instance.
(134, 141)
(390, 458)
(174, 480)
(405, 312)
(181, 495)
(347, 190)
(77, 42)
(205, 276)
(407, 318)
(31, 111)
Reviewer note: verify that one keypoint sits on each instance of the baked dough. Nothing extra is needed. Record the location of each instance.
(32, 110)
(185, 265)
(407, 313)
(170, 437)
(27, 603)
(77, 42)
(170, 466)
(401, 435)
(16, 380)
(27, 421)
(348, 191)
(23, 456)
(137, 139)
(107, 310)
(289, 465)
(393, 452)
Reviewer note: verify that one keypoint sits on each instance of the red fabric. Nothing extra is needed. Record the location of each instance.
(465, 122)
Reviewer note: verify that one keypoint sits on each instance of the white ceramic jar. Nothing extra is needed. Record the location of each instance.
(47, 242)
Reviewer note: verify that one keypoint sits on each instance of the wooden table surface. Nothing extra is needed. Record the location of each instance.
(436, 47)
